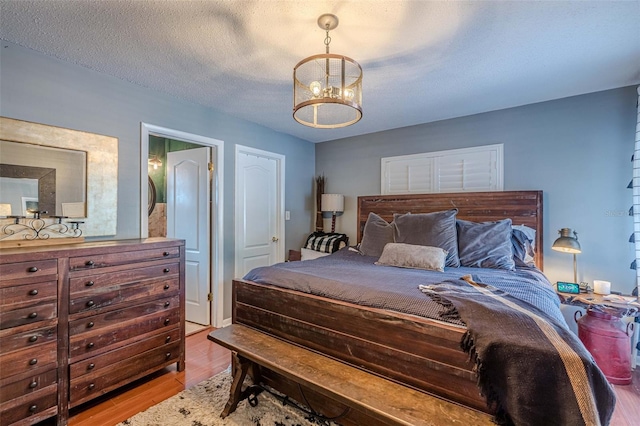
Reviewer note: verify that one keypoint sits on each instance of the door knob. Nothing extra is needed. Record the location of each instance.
(274, 239)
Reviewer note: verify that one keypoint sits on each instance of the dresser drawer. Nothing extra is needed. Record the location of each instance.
(117, 318)
(28, 315)
(128, 257)
(27, 385)
(93, 342)
(107, 359)
(32, 270)
(35, 407)
(18, 362)
(95, 384)
(27, 295)
(102, 281)
(127, 293)
(28, 339)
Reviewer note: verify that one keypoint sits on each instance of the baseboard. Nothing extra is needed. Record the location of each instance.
(226, 322)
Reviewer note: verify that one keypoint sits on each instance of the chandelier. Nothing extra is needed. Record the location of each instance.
(327, 88)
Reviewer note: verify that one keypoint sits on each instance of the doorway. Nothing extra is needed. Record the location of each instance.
(186, 172)
(259, 209)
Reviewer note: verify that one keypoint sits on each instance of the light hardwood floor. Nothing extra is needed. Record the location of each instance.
(205, 359)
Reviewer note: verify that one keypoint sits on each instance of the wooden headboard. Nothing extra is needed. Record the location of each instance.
(522, 207)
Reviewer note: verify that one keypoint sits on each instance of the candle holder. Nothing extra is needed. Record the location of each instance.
(40, 227)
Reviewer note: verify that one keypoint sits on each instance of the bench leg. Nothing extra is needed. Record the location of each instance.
(240, 368)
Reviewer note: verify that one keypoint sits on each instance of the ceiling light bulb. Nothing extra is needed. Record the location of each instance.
(316, 88)
(348, 94)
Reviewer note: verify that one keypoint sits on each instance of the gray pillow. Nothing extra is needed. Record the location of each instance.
(411, 256)
(485, 245)
(437, 229)
(376, 234)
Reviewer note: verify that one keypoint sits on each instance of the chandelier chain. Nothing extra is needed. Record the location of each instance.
(327, 39)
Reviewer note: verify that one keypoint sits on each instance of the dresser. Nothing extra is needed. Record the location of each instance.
(80, 320)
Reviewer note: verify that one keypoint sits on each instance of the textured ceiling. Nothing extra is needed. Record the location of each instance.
(422, 60)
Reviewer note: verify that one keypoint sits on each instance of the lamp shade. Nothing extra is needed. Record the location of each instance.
(332, 203)
(5, 209)
(568, 241)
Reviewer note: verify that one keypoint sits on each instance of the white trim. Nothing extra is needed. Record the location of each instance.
(217, 215)
(280, 172)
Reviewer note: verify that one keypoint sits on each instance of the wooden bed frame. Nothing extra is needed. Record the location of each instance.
(418, 352)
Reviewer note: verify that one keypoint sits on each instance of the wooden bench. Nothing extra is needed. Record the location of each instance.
(389, 402)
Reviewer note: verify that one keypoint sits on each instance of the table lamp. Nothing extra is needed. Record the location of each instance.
(333, 203)
(568, 244)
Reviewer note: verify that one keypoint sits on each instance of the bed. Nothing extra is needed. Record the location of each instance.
(392, 340)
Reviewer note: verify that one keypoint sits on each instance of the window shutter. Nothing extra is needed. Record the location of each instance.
(469, 169)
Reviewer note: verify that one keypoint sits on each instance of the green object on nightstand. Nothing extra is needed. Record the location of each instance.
(572, 288)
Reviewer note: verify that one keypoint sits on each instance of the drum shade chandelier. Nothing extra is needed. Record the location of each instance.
(327, 88)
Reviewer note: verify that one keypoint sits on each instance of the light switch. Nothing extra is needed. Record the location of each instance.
(287, 215)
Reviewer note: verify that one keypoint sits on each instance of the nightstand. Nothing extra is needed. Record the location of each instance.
(294, 255)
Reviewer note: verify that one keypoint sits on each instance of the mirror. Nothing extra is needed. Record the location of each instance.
(88, 192)
(53, 178)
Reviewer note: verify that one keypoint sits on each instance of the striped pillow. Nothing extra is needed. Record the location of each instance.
(326, 242)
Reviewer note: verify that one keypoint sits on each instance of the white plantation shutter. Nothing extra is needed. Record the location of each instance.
(410, 175)
(457, 170)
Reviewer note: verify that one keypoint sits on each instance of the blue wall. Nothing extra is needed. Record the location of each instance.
(38, 88)
(577, 150)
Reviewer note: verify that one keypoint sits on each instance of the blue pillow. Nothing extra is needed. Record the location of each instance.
(437, 229)
(486, 244)
(522, 248)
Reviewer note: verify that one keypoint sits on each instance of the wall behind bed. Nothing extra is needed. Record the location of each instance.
(577, 150)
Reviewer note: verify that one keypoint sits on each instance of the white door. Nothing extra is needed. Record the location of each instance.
(259, 230)
(188, 201)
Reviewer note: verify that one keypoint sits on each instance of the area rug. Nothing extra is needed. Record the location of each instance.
(202, 404)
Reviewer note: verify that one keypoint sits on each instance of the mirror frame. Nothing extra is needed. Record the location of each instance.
(102, 167)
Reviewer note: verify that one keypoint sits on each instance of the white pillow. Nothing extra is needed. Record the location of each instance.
(308, 254)
(413, 256)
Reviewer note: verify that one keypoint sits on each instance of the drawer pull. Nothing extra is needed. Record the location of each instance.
(33, 269)
(166, 304)
(33, 408)
(167, 321)
(33, 338)
(33, 385)
(89, 283)
(89, 263)
(32, 315)
(90, 303)
(166, 286)
(92, 386)
(91, 324)
(165, 270)
(33, 292)
(91, 366)
(90, 345)
(33, 361)
(167, 355)
(166, 253)
(167, 339)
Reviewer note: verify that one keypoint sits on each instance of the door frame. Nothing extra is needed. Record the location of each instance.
(280, 205)
(216, 239)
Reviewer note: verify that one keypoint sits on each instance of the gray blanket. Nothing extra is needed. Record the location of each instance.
(348, 276)
(530, 367)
